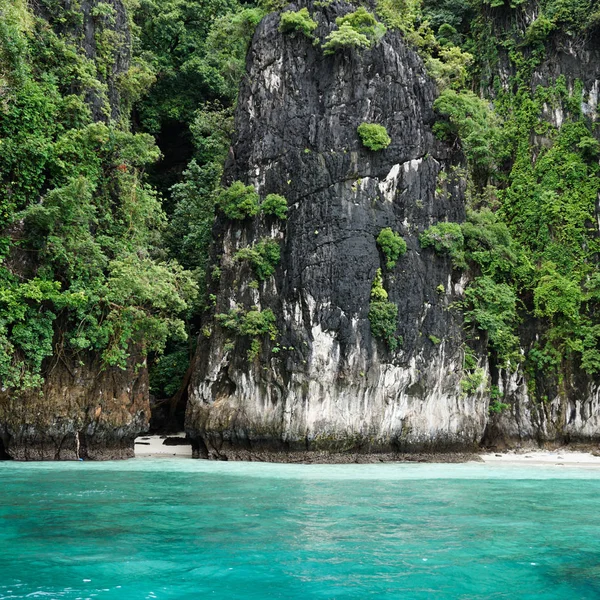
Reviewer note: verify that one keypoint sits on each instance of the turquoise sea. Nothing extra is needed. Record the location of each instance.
(183, 529)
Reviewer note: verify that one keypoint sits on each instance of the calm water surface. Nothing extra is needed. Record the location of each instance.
(165, 529)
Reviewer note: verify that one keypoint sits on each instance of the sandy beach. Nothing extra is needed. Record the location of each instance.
(148, 446)
(154, 446)
(560, 458)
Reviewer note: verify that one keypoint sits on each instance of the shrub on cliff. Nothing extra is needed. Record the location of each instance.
(292, 21)
(446, 238)
(254, 323)
(373, 136)
(358, 29)
(344, 37)
(274, 205)
(392, 245)
(238, 201)
(264, 257)
(363, 22)
(383, 315)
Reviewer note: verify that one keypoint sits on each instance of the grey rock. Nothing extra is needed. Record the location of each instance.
(333, 387)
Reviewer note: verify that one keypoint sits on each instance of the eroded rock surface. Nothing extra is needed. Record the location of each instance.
(83, 411)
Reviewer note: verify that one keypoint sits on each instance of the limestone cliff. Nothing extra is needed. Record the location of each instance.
(326, 383)
(83, 411)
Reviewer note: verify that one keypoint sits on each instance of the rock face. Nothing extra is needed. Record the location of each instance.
(326, 383)
(83, 411)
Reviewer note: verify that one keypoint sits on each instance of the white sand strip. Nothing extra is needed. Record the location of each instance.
(153, 445)
(563, 458)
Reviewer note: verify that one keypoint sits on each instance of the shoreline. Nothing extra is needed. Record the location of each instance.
(153, 446)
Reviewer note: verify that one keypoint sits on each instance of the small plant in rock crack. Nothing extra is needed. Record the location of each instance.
(392, 245)
(383, 315)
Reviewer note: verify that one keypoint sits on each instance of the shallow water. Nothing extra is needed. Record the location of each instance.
(182, 529)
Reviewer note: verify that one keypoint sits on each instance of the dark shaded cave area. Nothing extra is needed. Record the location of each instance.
(167, 416)
(4, 455)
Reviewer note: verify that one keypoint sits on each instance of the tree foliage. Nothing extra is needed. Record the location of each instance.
(300, 21)
(358, 29)
(82, 269)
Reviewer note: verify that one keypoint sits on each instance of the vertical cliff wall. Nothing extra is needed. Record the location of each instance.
(324, 381)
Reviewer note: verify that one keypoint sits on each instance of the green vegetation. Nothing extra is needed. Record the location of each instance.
(383, 315)
(82, 269)
(254, 323)
(496, 405)
(359, 29)
(292, 21)
(343, 38)
(238, 201)
(470, 119)
(263, 256)
(446, 238)
(373, 136)
(392, 245)
(473, 376)
(363, 22)
(275, 205)
(104, 248)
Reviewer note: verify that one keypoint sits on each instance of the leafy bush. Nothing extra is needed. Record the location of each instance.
(539, 30)
(449, 67)
(275, 205)
(378, 292)
(471, 382)
(374, 136)
(263, 256)
(359, 29)
(383, 315)
(496, 405)
(343, 38)
(473, 376)
(167, 372)
(257, 322)
(489, 244)
(469, 118)
(363, 22)
(492, 307)
(392, 245)
(254, 323)
(238, 201)
(297, 21)
(557, 294)
(446, 238)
